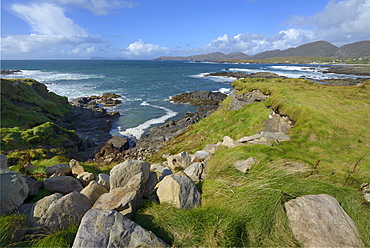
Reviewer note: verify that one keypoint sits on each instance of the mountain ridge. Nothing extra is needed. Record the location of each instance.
(312, 49)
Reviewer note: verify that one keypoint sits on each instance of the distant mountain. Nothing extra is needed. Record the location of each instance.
(207, 57)
(357, 49)
(313, 49)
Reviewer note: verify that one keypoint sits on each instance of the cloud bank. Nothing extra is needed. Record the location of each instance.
(54, 34)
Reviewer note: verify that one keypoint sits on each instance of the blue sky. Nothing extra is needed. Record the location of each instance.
(145, 29)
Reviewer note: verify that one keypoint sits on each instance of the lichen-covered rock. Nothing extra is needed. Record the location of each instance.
(123, 172)
(75, 167)
(85, 178)
(93, 191)
(103, 179)
(13, 190)
(181, 160)
(41, 206)
(180, 191)
(63, 212)
(123, 199)
(109, 228)
(62, 184)
(320, 221)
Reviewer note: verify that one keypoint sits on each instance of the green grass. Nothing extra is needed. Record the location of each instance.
(331, 126)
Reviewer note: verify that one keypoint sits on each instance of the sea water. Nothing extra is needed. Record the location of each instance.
(145, 86)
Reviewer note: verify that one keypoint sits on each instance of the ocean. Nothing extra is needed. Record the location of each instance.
(145, 86)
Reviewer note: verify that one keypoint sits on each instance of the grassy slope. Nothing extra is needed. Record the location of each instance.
(247, 210)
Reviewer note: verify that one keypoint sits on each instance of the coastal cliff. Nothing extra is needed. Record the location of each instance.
(236, 177)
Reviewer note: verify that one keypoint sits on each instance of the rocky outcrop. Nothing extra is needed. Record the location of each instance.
(63, 212)
(245, 75)
(13, 190)
(109, 228)
(199, 98)
(320, 221)
(239, 100)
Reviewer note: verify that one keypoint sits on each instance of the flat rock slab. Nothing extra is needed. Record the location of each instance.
(319, 221)
(109, 228)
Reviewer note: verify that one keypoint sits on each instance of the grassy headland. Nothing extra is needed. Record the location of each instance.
(329, 137)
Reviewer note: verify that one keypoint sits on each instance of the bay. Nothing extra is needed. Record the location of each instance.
(145, 86)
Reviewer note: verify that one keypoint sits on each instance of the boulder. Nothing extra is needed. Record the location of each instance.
(245, 165)
(157, 167)
(3, 161)
(320, 221)
(120, 143)
(41, 206)
(200, 156)
(229, 142)
(33, 185)
(109, 228)
(123, 199)
(166, 171)
(93, 191)
(277, 136)
(195, 171)
(179, 191)
(85, 178)
(212, 148)
(13, 190)
(62, 184)
(75, 167)
(150, 185)
(123, 172)
(68, 210)
(181, 160)
(103, 179)
(52, 169)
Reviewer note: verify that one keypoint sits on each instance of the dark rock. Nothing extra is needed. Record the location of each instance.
(33, 185)
(62, 184)
(246, 75)
(200, 98)
(9, 72)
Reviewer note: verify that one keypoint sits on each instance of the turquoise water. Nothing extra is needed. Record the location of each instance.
(145, 86)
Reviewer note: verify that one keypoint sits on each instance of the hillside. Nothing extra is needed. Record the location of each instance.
(320, 49)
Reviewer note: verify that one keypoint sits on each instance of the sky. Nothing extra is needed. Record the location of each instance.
(146, 29)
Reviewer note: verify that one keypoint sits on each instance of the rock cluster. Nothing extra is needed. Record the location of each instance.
(200, 98)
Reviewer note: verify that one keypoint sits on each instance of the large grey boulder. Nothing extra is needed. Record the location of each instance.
(123, 199)
(41, 206)
(63, 167)
(62, 184)
(181, 160)
(123, 172)
(64, 212)
(13, 190)
(93, 191)
(320, 221)
(178, 190)
(109, 228)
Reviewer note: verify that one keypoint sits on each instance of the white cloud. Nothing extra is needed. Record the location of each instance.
(48, 19)
(53, 31)
(340, 22)
(98, 7)
(139, 49)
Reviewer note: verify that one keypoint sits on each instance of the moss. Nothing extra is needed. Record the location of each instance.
(26, 103)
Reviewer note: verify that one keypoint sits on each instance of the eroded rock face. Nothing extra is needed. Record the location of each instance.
(13, 190)
(109, 228)
(320, 221)
(180, 191)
